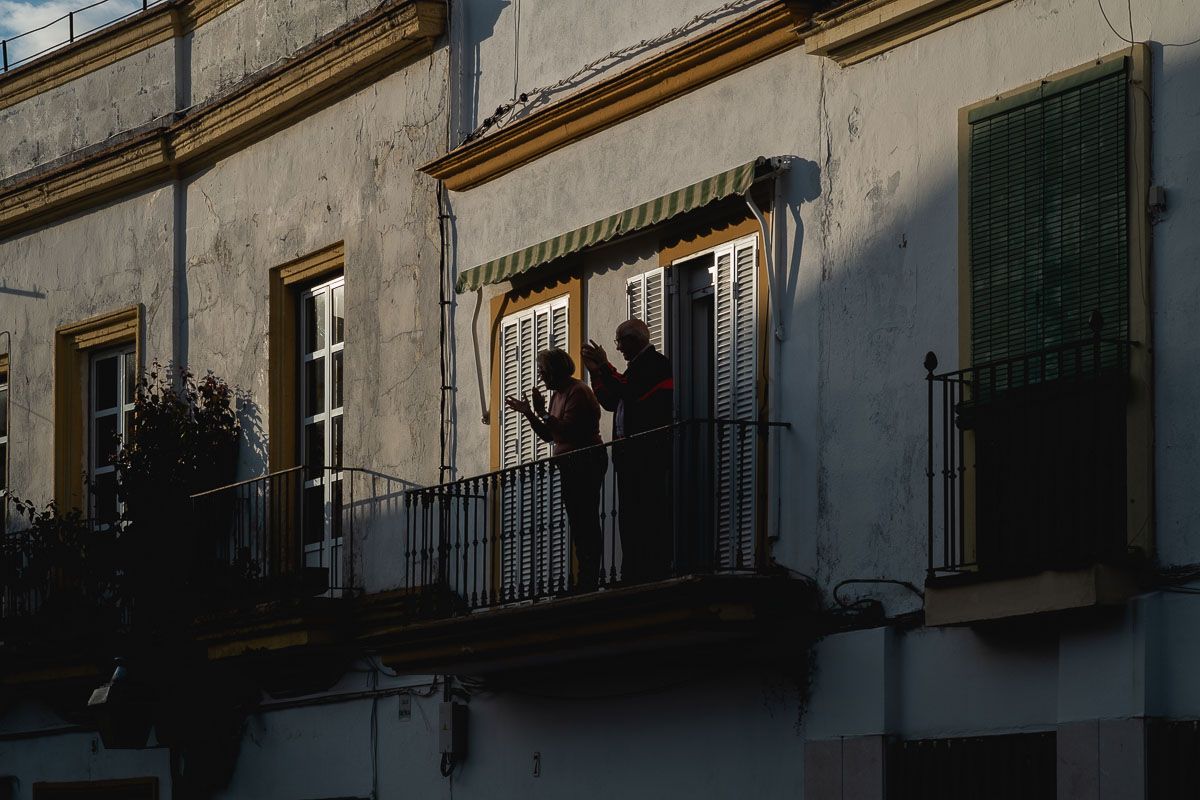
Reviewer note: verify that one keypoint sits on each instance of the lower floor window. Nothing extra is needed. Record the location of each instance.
(111, 389)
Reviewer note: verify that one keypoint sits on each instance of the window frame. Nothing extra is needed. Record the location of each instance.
(73, 346)
(1139, 411)
(125, 396)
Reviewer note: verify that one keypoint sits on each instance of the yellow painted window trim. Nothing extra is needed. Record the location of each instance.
(1140, 410)
(857, 31)
(73, 344)
(515, 301)
(759, 35)
(335, 68)
(283, 347)
(102, 48)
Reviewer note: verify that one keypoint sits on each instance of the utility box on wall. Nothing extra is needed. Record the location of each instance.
(452, 719)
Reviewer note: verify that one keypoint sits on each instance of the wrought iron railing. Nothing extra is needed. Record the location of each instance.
(1026, 460)
(681, 500)
(75, 24)
(289, 533)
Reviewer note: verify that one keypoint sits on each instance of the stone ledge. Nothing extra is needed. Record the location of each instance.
(985, 600)
(855, 32)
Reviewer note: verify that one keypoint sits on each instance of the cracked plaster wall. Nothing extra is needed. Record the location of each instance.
(876, 285)
(872, 285)
(90, 264)
(256, 33)
(119, 97)
(167, 77)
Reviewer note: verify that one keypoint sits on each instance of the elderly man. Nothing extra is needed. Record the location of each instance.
(642, 401)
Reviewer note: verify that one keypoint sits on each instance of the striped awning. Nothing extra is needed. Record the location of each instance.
(733, 182)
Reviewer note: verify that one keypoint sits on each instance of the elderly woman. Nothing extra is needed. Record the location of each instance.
(572, 423)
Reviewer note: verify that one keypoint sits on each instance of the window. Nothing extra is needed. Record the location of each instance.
(716, 359)
(91, 398)
(1048, 217)
(322, 338)
(646, 302)
(1021, 765)
(1045, 431)
(112, 384)
(531, 501)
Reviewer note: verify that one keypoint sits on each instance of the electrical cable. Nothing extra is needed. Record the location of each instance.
(506, 111)
(861, 601)
(1131, 40)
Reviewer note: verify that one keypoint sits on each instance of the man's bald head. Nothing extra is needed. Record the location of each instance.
(632, 337)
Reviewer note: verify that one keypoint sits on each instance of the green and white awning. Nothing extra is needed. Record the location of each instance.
(732, 182)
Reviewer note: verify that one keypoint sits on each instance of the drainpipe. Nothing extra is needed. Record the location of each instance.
(771, 247)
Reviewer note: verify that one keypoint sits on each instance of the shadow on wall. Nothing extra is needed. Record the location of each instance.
(477, 22)
(252, 449)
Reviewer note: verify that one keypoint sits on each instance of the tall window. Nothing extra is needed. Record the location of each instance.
(1048, 217)
(322, 337)
(716, 324)
(111, 388)
(534, 543)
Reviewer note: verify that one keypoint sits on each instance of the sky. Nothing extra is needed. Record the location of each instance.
(19, 16)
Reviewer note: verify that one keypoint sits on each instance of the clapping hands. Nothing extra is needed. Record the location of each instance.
(593, 355)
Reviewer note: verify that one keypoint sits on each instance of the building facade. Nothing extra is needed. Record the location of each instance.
(925, 490)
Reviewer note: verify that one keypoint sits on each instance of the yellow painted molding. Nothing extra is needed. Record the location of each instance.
(72, 343)
(771, 30)
(284, 349)
(200, 12)
(854, 33)
(314, 265)
(333, 69)
(88, 182)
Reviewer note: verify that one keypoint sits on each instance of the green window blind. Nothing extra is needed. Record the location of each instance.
(1048, 218)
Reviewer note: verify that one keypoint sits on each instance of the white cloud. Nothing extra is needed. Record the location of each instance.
(19, 17)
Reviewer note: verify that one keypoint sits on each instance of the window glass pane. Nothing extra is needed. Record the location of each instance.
(106, 439)
(339, 313)
(3, 475)
(105, 492)
(337, 441)
(314, 448)
(314, 387)
(337, 379)
(3, 411)
(130, 378)
(314, 323)
(105, 391)
(314, 514)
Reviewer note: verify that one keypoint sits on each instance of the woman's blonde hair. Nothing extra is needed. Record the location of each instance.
(557, 362)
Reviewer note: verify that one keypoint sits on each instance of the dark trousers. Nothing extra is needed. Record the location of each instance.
(643, 467)
(581, 480)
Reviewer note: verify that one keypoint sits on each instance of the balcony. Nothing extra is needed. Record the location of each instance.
(64, 602)
(494, 575)
(273, 569)
(1026, 470)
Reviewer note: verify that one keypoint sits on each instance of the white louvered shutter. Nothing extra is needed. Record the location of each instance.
(735, 380)
(533, 540)
(646, 303)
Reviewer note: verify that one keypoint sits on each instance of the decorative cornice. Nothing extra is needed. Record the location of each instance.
(314, 265)
(129, 37)
(855, 32)
(759, 35)
(331, 69)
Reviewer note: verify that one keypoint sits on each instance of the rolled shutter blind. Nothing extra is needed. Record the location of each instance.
(1048, 217)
